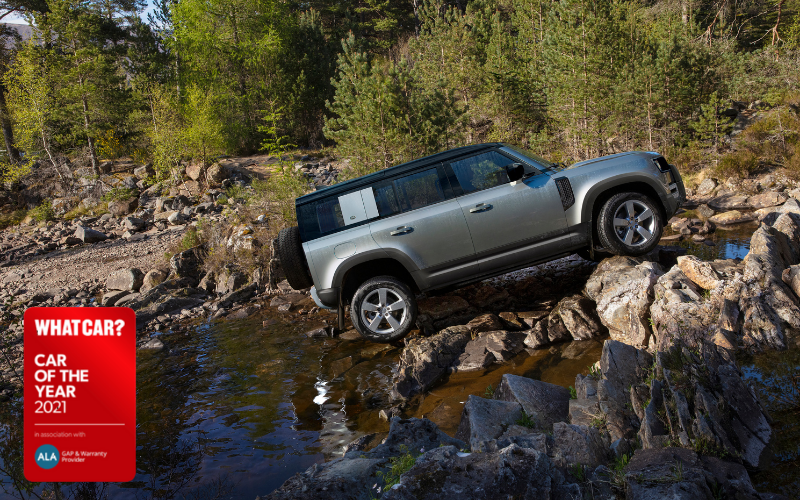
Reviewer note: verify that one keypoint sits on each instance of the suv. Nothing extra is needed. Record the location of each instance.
(462, 216)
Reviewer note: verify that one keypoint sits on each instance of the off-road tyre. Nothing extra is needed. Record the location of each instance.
(293, 259)
(646, 215)
(395, 290)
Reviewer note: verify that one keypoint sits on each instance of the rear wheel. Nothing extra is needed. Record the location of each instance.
(383, 309)
(629, 224)
(293, 259)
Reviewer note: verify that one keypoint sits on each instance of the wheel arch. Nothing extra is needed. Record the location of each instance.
(352, 277)
(595, 198)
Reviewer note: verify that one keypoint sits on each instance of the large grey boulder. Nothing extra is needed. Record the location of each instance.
(425, 360)
(544, 403)
(512, 472)
(489, 348)
(412, 434)
(152, 278)
(187, 263)
(123, 207)
(125, 279)
(578, 444)
(622, 287)
(485, 420)
(680, 474)
(88, 235)
(577, 316)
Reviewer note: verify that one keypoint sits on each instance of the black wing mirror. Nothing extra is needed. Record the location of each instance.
(515, 171)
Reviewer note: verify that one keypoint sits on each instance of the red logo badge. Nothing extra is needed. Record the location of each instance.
(80, 394)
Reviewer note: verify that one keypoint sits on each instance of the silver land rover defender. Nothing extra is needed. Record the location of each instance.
(462, 216)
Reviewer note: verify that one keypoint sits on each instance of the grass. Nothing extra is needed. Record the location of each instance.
(526, 420)
(677, 471)
(14, 218)
(573, 394)
(489, 392)
(81, 211)
(617, 471)
(578, 472)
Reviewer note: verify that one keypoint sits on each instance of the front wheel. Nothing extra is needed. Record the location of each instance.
(629, 224)
(383, 309)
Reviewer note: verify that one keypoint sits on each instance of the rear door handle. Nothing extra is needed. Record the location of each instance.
(481, 207)
(401, 230)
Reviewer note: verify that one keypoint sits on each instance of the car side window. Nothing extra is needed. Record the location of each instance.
(329, 215)
(418, 190)
(482, 171)
(409, 193)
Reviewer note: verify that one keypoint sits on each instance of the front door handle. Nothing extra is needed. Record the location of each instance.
(401, 230)
(481, 207)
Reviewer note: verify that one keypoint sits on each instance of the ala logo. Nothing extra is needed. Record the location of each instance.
(47, 456)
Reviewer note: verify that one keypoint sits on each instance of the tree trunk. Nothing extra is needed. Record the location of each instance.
(92, 151)
(8, 132)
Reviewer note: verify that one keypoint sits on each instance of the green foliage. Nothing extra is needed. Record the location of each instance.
(398, 466)
(526, 420)
(120, 193)
(711, 124)
(573, 394)
(13, 218)
(578, 472)
(43, 212)
(190, 239)
(489, 392)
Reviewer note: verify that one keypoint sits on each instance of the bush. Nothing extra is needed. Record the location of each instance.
(12, 218)
(119, 194)
(737, 164)
(43, 212)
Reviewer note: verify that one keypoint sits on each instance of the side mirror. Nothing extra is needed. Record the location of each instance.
(515, 171)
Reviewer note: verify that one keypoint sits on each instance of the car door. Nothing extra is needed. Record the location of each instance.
(510, 222)
(421, 221)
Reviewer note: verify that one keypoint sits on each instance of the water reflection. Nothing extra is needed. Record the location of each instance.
(731, 243)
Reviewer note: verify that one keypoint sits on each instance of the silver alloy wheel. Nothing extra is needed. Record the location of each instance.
(634, 223)
(383, 311)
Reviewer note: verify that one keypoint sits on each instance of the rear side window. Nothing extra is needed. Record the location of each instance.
(329, 215)
(482, 171)
(418, 190)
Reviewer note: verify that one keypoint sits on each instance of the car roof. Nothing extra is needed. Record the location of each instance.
(409, 166)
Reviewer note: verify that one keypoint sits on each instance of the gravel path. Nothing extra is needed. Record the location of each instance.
(88, 264)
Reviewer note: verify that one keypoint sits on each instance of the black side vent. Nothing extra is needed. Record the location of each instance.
(565, 190)
(661, 163)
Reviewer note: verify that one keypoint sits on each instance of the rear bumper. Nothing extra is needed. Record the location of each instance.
(326, 299)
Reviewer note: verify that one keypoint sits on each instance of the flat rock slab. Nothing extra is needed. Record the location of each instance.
(489, 348)
(583, 411)
(484, 420)
(578, 444)
(125, 279)
(544, 403)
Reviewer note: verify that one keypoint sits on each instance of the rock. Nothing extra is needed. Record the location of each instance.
(195, 171)
(487, 295)
(705, 211)
(412, 434)
(731, 217)
(216, 173)
(512, 472)
(208, 282)
(127, 299)
(530, 318)
(187, 263)
(769, 199)
(679, 310)
(441, 307)
(511, 321)
(70, 240)
(144, 172)
(338, 479)
(621, 366)
(485, 323)
(791, 276)
(679, 474)
(133, 223)
(623, 287)
(110, 298)
(484, 420)
(730, 202)
(230, 282)
(152, 344)
(341, 365)
(578, 444)
(425, 360)
(176, 218)
(319, 333)
(578, 316)
(239, 295)
(488, 348)
(536, 337)
(151, 279)
(123, 207)
(584, 411)
(163, 299)
(706, 187)
(699, 272)
(125, 279)
(88, 235)
(544, 403)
